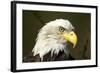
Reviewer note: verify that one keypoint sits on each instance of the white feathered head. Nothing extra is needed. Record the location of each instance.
(53, 37)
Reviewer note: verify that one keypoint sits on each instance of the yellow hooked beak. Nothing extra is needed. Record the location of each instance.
(71, 37)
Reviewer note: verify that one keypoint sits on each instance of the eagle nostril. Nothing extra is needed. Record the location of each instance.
(71, 34)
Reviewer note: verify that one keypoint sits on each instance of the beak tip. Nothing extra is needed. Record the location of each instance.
(73, 46)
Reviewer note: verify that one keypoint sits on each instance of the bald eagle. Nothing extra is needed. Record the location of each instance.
(52, 41)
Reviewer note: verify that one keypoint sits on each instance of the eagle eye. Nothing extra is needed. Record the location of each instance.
(61, 29)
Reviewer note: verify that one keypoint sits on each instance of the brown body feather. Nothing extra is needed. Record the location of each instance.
(60, 57)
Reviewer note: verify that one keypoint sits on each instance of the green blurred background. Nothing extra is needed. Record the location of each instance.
(34, 20)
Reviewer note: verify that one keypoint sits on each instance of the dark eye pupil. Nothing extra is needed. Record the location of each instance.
(61, 29)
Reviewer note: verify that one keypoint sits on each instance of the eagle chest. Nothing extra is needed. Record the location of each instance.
(60, 57)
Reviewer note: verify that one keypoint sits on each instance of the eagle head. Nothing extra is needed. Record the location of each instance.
(53, 37)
